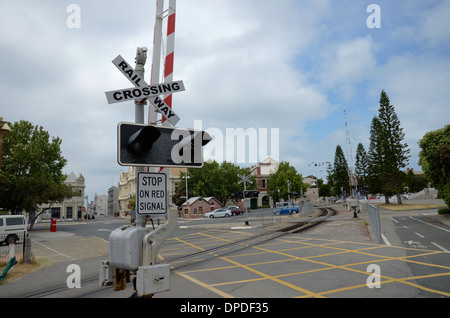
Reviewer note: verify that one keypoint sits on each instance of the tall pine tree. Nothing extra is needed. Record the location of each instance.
(361, 165)
(375, 157)
(340, 173)
(388, 155)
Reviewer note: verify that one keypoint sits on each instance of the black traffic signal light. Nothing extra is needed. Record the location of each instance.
(160, 146)
(237, 195)
(251, 193)
(141, 142)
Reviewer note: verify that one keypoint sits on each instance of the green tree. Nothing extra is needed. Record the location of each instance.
(375, 157)
(213, 180)
(325, 190)
(388, 155)
(340, 173)
(277, 185)
(396, 153)
(361, 165)
(435, 160)
(416, 183)
(330, 177)
(31, 168)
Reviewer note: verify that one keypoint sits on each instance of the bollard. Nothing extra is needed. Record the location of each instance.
(355, 214)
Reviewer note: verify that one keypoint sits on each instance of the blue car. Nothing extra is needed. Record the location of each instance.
(288, 209)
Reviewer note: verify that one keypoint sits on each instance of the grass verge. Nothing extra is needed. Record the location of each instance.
(21, 269)
(409, 207)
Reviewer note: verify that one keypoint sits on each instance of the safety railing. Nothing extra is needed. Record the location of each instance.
(374, 220)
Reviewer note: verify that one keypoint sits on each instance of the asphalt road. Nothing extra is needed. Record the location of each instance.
(331, 260)
(418, 232)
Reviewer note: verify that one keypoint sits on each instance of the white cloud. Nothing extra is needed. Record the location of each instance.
(348, 62)
(283, 64)
(418, 88)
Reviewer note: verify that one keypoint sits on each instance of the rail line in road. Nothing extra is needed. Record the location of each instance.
(235, 245)
(217, 262)
(179, 262)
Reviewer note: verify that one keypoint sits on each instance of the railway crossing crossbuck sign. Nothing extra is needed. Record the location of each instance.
(144, 91)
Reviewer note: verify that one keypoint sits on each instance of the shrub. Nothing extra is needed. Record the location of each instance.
(444, 211)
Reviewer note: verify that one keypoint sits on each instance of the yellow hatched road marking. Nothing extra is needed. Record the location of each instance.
(326, 244)
(272, 278)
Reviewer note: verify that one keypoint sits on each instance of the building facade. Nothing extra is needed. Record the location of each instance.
(113, 201)
(100, 204)
(126, 186)
(262, 172)
(71, 208)
(196, 207)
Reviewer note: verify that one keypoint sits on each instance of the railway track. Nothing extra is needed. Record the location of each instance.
(206, 254)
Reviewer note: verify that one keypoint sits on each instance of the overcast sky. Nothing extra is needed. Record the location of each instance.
(291, 65)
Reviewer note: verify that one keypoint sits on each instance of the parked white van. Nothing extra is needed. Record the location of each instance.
(12, 228)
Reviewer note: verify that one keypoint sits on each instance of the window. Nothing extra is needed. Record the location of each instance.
(200, 209)
(14, 221)
(263, 183)
(69, 212)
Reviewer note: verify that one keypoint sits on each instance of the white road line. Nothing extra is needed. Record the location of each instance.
(55, 251)
(441, 228)
(440, 247)
(418, 234)
(385, 240)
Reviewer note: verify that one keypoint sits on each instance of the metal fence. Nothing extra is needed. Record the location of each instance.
(374, 220)
(6, 243)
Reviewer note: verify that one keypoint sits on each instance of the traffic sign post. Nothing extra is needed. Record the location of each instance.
(245, 179)
(134, 247)
(144, 91)
(151, 195)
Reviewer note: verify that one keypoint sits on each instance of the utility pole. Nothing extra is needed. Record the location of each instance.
(245, 179)
(289, 190)
(156, 57)
(141, 58)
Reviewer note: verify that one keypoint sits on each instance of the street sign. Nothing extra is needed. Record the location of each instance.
(123, 95)
(129, 72)
(245, 179)
(151, 193)
(164, 109)
(144, 91)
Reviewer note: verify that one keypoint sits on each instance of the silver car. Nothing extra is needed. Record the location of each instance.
(218, 213)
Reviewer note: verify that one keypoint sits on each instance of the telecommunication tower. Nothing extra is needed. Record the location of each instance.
(349, 154)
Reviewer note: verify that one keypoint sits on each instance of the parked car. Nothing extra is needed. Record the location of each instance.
(288, 209)
(89, 216)
(235, 210)
(218, 213)
(12, 227)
